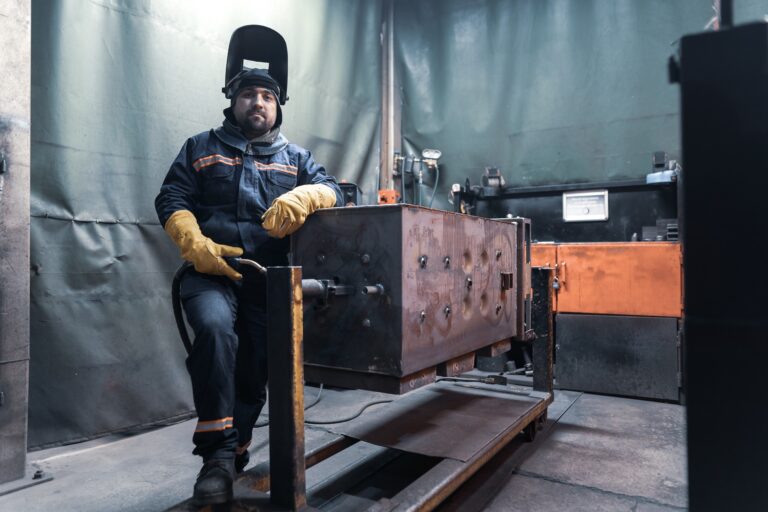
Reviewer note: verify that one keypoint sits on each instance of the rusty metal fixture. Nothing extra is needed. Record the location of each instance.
(524, 292)
(456, 366)
(413, 331)
(437, 484)
(286, 387)
(257, 478)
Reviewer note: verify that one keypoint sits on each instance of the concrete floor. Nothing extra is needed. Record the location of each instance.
(596, 453)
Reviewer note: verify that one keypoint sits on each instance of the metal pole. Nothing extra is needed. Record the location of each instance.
(14, 237)
(286, 387)
(390, 111)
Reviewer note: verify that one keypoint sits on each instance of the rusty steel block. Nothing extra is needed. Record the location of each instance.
(429, 286)
(456, 366)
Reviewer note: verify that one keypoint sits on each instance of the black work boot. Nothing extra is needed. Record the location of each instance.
(214, 482)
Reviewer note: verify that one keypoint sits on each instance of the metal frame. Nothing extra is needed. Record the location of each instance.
(285, 474)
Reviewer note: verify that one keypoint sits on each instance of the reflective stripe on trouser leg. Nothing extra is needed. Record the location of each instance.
(214, 425)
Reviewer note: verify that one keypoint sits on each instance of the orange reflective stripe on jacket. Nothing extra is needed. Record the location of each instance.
(205, 161)
(290, 169)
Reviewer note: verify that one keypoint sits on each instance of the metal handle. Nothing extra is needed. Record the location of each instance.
(250, 263)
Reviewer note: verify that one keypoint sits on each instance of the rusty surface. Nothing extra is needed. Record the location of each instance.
(524, 293)
(615, 278)
(443, 420)
(633, 278)
(456, 366)
(286, 387)
(257, 478)
(441, 273)
(432, 488)
(544, 255)
(389, 196)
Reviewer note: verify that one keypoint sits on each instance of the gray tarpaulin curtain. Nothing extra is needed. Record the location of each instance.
(549, 91)
(117, 86)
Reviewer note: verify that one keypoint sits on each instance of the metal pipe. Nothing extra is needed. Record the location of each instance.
(417, 184)
(388, 128)
(401, 172)
(250, 263)
(377, 289)
(312, 288)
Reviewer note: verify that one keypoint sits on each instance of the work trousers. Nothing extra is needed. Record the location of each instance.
(228, 361)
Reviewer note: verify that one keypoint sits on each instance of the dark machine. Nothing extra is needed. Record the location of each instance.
(724, 106)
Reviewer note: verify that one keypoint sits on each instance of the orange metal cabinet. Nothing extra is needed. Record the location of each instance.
(616, 278)
(545, 255)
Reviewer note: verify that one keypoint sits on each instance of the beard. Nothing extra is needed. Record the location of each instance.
(255, 126)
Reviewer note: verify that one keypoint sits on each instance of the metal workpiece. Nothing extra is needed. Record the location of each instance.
(437, 285)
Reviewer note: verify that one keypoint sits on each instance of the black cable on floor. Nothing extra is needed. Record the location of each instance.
(350, 418)
(314, 403)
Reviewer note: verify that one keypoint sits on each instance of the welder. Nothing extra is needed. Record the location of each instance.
(237, 190)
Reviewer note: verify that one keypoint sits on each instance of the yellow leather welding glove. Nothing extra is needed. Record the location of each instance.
(206, 254)
(289, 211)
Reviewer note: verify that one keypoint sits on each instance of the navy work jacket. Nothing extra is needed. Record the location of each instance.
(228, 184)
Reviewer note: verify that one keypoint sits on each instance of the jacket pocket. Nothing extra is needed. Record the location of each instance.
(278, 183)
(281, 180)
(218, 184)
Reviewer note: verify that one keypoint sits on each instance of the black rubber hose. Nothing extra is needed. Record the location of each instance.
(176, 300)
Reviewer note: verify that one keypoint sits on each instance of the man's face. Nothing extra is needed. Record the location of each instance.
(255, 110)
